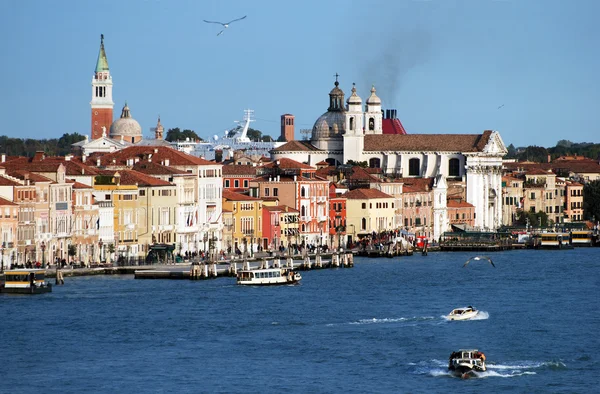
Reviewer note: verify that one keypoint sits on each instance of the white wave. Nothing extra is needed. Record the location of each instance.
(527, 365)
(494, 374)
(393, 320)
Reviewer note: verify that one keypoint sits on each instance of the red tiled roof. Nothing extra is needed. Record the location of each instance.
(239, 170)
(151, 168)
(233, 196)
(288, 164)
(132, 177)
(32, 176)
(361, 174)
(79, 185)
(4, 201)
(297, 146)
(361, 194)
(8, 182)
(538, 171)
(159, 154)
(415, 185)
(458, 204)
(392, 126)
(427, 142)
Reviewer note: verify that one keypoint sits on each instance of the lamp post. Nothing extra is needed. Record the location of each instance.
(100, 243)
(353, 231)
(252, 243)
(43, 246)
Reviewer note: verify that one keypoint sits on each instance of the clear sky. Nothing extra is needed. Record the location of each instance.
(445, 65)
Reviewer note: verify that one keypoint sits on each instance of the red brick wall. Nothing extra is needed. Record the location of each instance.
(101, 117)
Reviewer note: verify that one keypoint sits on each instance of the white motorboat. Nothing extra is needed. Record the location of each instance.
(466, 362)
(466, 313)
(268, 276)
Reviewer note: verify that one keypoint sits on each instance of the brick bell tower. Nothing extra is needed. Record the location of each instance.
(102, 103)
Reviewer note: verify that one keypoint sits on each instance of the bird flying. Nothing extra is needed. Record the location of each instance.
(479, 258)
(225, 24)
(501, 106)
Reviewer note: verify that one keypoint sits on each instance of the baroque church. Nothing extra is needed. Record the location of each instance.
(347, 132)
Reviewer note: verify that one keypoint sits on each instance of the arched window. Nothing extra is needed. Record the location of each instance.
(414, 165)
(302, 192)
(374, 163)
(303, 210)
(371, 124)
(363, 224)
(454, 167)
(352, 123)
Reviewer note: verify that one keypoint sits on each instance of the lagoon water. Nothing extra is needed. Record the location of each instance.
(377, 327)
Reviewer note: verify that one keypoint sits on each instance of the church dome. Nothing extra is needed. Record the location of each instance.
(125, 126)
(329, 125)
(373, 99)
(354, 99)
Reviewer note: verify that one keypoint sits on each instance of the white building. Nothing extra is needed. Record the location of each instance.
(345, 133)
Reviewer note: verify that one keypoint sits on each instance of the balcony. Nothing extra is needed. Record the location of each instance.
(305, 218)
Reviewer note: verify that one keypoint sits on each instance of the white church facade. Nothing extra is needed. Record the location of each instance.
(350, 133)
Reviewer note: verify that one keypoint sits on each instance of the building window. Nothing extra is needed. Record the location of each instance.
(245, 183)
(414, 166)
(371, 124)
(227, 183)
(275, 192)
(352, 123)
(142, 193)
(267, 192)
(236, 183)
(364, 205)
(363, 224)
(454, 167)
(374, 163)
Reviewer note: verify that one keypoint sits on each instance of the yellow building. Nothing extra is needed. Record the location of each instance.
(368, 211)
(247, 220)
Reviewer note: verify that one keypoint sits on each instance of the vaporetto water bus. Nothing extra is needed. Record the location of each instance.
(25, 281)
(268, 276)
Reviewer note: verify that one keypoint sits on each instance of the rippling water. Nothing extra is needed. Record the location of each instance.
(377, 327)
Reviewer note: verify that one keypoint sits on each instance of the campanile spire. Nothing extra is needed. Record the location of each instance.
(102, 103)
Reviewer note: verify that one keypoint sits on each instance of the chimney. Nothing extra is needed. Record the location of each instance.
(98, 162)
(278, 178)
(3, 157)
(68, 157)
(83, 158)
(549, 158)
(167, 162)
(155, 150)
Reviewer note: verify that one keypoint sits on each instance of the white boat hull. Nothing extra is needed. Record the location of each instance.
(464, 316)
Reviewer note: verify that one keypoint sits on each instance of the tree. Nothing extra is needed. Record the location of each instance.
(362, 164)
(534, 153)
(175, 134)
(591, 200)
(512, 152)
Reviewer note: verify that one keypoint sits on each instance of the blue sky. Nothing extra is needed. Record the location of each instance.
(445, 65)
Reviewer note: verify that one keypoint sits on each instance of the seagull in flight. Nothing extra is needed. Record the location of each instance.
(476, 258)
(501, 106)
(226, 24)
